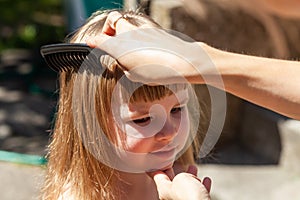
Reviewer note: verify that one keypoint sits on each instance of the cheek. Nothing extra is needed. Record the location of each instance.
(129, 143)
(136, 145)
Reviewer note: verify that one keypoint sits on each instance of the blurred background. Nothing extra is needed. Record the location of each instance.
(257, 155)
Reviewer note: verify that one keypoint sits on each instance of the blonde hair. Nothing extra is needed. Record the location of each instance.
(72, 169)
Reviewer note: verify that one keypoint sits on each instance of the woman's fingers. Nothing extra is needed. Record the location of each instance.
(109, 26)
(95, 41)
(116, 23)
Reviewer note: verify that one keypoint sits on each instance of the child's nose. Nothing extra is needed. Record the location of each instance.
(168, 131)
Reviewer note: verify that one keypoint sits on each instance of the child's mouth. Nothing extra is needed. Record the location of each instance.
(165, 152)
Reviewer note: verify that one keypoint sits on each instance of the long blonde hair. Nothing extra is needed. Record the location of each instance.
(72, 171)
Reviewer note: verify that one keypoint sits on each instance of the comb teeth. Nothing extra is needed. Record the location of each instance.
(69, 57)
(65, 61)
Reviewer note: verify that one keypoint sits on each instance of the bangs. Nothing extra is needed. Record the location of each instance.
(114, 83)
(120, 87)
(148, 93)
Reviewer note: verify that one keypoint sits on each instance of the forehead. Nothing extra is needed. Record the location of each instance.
(137, 92)
(178, 97)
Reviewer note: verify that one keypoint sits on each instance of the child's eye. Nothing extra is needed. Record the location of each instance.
(142, 121)
(177, 109)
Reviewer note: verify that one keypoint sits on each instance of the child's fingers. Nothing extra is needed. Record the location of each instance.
(170, 173)
(161, 178)
(163, 184)
(192, 170)
(207, 183)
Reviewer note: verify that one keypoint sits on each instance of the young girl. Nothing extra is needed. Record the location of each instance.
(110, 132)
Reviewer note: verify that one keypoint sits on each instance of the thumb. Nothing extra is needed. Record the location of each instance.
(163, 184)
(160, 178)
(95, 41)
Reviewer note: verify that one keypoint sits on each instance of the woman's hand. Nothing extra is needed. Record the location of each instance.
(149, 54)
(183, 186)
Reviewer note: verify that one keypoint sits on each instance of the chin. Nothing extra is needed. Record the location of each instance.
(166, 167)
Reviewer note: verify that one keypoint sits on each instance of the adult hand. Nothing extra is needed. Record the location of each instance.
(183, 186)
(149, 54)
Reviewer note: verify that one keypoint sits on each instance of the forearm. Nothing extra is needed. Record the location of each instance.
(271, 83)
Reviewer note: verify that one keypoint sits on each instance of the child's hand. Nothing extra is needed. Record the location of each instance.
(183, 186)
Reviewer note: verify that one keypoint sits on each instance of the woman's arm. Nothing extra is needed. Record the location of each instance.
(271, 83)
(153, 56)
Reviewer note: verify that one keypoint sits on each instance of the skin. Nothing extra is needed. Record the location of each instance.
(153, 133)
(185, 185)
(288, 9)
(270, 83)
(139, 139)
(167, 183)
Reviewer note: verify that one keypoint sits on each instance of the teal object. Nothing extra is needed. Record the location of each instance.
(22, 158)
(77, 11)
(94, 5)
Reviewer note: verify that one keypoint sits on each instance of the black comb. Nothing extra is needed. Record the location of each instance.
(69, 56)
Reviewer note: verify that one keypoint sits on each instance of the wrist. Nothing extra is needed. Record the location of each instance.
(213, 65)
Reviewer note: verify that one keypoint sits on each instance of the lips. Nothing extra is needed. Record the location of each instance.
(165, 152)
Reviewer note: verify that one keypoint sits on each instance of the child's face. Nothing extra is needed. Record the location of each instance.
(155, 131)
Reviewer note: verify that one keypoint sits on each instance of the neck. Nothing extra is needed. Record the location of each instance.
(137, 186)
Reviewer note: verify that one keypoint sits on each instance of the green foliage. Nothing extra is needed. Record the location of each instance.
(30, 23)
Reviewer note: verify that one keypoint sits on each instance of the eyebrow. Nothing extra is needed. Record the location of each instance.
(183, 101)
(129, 117)
(142, 114)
